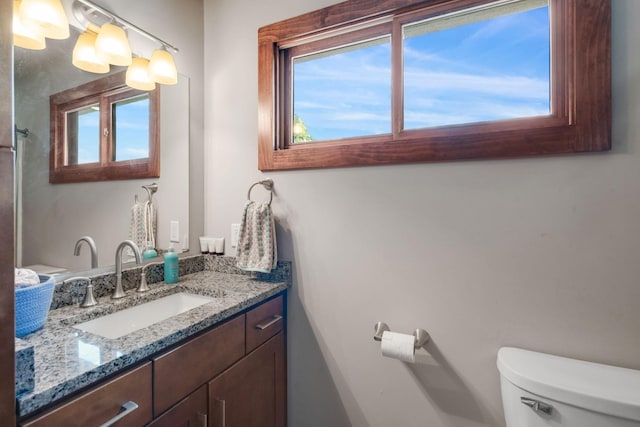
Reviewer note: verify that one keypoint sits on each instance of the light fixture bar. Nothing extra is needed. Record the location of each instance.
(127, 24)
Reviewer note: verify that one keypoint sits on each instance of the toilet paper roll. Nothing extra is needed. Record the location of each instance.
(398, 346)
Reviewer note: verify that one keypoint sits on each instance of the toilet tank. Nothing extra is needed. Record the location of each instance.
(541, 390)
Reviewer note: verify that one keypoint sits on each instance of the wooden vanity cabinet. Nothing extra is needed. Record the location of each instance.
(252, 392)
(232, 375)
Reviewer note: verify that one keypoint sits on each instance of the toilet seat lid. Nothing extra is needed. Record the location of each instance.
(602, 388)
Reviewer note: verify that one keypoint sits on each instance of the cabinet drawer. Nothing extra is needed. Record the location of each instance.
(263, 322)
(105, 402)
(182, 370)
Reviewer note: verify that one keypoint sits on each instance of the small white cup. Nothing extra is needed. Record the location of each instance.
(204, 245)
(219, 245)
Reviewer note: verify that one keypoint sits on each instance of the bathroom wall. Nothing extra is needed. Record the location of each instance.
(540, 253)
(102, 209)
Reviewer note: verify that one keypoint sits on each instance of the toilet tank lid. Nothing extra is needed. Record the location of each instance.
(601, 388)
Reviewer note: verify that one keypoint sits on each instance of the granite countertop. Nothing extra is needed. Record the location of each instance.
(67, 359)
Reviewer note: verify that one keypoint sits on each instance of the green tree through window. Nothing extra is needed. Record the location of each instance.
(300, 132)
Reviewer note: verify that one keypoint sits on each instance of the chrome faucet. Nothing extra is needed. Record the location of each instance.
(119, 292)
(92, 247)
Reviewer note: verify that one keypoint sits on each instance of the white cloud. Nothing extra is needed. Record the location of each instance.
(507, 86)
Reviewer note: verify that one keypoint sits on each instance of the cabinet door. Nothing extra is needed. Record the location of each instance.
(184, 369)
(252, 392)
(190, 412)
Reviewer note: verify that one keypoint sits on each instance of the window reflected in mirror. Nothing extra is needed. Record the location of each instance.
(103, 131)
(83, 135)
(130, 128)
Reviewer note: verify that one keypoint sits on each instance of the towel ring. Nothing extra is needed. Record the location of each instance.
(267, 184)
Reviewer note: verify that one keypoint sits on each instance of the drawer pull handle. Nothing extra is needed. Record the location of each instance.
(222, 404)
(273, 321)
(128, 407)
(203, 418)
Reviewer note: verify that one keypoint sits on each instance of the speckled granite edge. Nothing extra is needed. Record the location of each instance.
(227, 264)
(25, 366)
(60, 369)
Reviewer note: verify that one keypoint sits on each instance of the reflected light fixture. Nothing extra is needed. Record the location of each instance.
(26, 34)
(138, 76)
(48, 15)
(163, 68)
(84, 54)
(112, 45)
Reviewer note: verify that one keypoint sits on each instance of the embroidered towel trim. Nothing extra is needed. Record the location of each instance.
(257, 249)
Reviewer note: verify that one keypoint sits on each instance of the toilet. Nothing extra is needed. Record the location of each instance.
(541, 390)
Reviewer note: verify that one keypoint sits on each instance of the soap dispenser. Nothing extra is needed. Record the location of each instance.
(170, 266)
(149, 251)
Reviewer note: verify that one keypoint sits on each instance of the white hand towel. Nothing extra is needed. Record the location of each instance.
(25, 277)
(137, 226)
(257, 249)
(150, 224)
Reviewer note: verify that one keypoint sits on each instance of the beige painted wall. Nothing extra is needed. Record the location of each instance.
(542, 254)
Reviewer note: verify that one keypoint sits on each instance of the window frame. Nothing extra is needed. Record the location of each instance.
(104, 91)
(580, 118)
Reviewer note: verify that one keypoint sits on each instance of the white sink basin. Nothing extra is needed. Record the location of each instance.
(132, 319)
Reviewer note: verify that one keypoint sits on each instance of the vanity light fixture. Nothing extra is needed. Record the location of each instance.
(138, 76)
(48, 15)
(84, 54)
(112, 45)
(162, 68)
(26, 34)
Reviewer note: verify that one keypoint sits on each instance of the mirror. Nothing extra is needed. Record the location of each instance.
(50, 218)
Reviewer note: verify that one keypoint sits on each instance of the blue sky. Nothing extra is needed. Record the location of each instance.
(132, 132)
(490, 70)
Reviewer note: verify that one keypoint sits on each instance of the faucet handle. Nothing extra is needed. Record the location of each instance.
(143, 287)
(89, 298)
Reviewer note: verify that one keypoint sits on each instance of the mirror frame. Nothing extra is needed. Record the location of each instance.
(7, 302)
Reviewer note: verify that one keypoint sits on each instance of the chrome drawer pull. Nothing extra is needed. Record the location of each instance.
(128, 407)
(273, 321)
(203, 418)
(222, 404)
(536, 405)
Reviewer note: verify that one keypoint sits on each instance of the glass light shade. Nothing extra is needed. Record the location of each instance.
(84, 54)
(112, 45)
(163, 68)
(138, 76)
(48, 15)
(26, 34)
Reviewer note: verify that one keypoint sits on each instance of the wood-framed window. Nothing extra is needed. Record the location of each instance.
(104, 130)
(572, 112)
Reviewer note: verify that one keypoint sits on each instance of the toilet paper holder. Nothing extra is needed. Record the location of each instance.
(421, 336)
